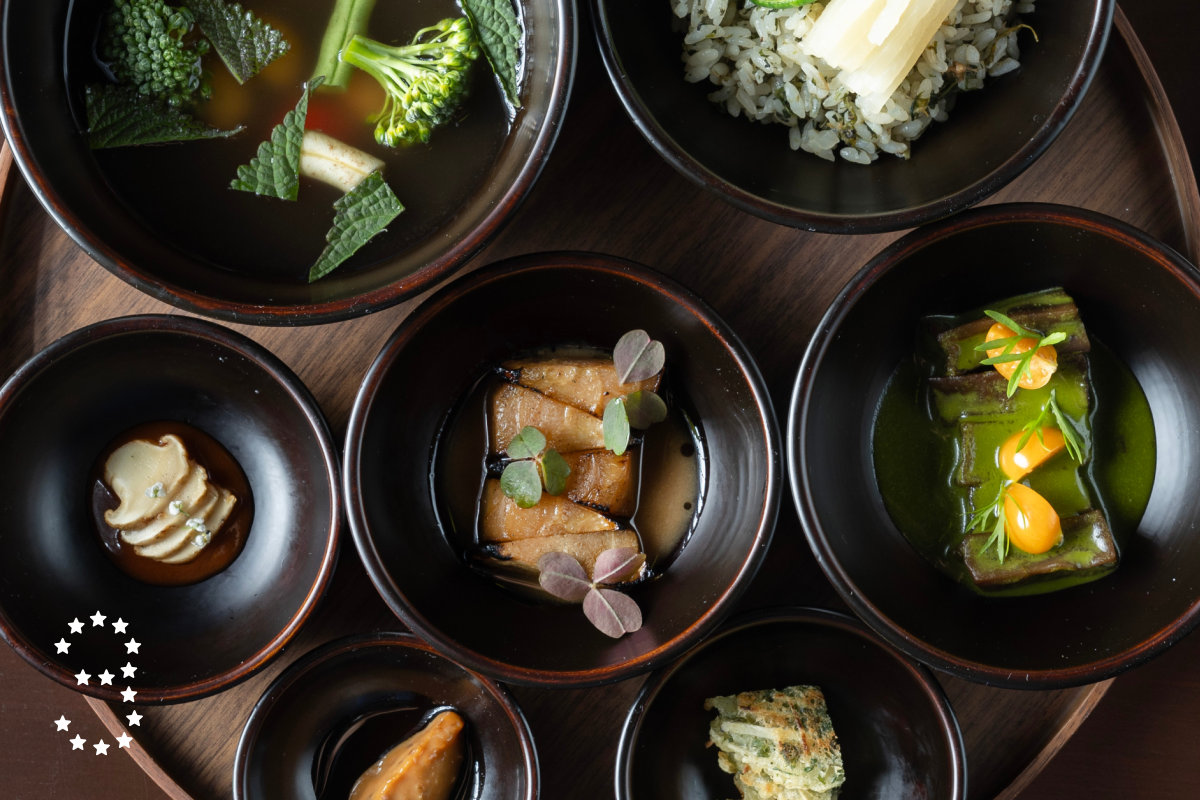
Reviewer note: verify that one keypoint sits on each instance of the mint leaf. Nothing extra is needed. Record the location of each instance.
(500, 36)
(361, 215)
(245, 43)
(120, 116)
(276, 170)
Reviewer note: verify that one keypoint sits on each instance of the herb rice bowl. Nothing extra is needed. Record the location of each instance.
(991, 136)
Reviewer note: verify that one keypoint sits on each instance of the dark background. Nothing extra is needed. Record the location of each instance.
(1141, 742)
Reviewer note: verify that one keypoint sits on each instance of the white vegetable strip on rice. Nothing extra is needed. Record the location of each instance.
(843, 81)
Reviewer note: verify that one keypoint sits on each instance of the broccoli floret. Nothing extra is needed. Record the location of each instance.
(143, 44)
(425, 81)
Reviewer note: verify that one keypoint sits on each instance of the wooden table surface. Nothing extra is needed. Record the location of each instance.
(1140, 742)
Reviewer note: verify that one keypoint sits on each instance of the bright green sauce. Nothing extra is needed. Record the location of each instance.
(916, 456)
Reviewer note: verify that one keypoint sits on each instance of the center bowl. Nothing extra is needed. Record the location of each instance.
(1138, 297)
(39, 42)
(433, 360)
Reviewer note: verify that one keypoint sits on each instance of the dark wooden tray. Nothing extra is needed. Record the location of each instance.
(606, 190)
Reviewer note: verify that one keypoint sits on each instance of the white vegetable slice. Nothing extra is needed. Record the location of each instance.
(881, 74)
(886, 21)
(840, 32)
(336, 163)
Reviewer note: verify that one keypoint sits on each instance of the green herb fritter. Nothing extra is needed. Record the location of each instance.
(778, 745)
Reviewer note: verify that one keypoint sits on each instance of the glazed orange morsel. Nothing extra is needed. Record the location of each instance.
(423, 767)
(1044, 364)
(1032, 524)
(1033, 454)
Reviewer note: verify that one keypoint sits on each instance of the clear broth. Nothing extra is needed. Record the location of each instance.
(182, 192)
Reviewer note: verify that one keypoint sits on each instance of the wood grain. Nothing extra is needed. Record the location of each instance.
(605, 189)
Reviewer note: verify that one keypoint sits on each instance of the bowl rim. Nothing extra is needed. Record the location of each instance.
(436, 305)
(300, 395)
(1121, 234)
(340, 648)
(623, 773)
(247, 313)
(900, 219)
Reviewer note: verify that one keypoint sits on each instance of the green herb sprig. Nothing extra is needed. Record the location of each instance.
(534, 467)
(1024, 360)
(979, 522)
(637, 358)
(1070, 437)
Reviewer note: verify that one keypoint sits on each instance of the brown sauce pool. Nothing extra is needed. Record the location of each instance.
(223, 469)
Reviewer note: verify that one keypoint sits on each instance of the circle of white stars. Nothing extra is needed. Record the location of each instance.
(62, 646)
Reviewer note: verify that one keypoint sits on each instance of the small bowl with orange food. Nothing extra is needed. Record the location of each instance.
(1014, 487)
(383, 715)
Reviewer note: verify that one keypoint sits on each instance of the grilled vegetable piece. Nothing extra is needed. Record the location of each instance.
(567, 429)
(603, 480)
(503, 520)
(585, 383)
(583, 547)
(985, 394)
(1087, 546)
(778, 744)
(1052, 311)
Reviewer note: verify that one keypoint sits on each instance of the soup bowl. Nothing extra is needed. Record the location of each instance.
(992, 135)
(898, 734)
(45, 60)
(434, 359)
(283, 750)
(1140, 299)
(57, 415)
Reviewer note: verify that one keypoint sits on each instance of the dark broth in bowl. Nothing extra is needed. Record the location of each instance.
(182, 191)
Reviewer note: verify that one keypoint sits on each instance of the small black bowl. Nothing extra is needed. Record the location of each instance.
(1138, 297)
(58, 413)
(46, 44)
(345, 680)
(992, 136)
(897, 731)
(432, 361)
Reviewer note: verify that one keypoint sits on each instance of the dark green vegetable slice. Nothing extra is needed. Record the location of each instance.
(499, 34)
(362, 215)
(781, 3)
(245, 43)
(276, 170)
(120, 116)
(350, 18)
(1087, 546)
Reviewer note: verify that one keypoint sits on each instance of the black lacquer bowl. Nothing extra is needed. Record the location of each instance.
(992, 136)
(349, 679)
(42, 40)
(1139, 298)
(432, 361)
(58, 413)
(898, 734)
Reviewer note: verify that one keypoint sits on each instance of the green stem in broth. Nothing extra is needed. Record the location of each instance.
(350, 18)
